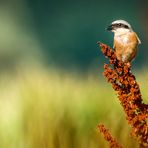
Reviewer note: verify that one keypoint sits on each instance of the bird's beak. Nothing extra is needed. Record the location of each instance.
(109, 28)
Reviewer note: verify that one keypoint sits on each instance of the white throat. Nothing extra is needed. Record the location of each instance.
(121, 31)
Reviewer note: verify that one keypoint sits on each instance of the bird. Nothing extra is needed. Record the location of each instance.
(126, 41)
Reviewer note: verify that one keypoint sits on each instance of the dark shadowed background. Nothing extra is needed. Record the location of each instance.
(64, 33)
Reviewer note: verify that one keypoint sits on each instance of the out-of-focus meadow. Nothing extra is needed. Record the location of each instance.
(41, 108)
(52, 92)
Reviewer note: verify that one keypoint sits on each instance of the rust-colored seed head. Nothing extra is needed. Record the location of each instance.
(124, 83)
(107, 136)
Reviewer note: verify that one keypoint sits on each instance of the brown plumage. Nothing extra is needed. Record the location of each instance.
(125, 46)
(125, 40)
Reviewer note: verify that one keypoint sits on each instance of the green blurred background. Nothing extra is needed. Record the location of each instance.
(52, 92)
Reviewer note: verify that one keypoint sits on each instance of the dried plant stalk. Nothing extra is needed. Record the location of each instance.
(124, 83)
(108, 137)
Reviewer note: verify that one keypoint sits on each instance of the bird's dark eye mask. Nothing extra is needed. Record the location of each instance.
(120, 25)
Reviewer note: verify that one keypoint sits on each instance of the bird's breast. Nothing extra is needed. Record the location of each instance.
(127, 38)
(122, 39)
(125, 46)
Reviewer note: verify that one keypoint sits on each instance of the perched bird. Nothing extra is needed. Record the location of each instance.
(125, 40)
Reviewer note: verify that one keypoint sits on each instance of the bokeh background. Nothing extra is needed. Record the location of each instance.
(52, 92)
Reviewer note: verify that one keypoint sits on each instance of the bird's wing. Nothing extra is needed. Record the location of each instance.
(139, 42)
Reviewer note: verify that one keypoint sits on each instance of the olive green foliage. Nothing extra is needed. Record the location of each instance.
(51, 109)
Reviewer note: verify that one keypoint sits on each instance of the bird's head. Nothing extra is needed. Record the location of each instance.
(119, 26)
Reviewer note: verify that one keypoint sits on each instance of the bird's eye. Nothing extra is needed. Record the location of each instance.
(120, 24)
(125, 26)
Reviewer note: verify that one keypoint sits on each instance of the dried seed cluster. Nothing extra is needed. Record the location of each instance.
(108, 137)
(124, 83)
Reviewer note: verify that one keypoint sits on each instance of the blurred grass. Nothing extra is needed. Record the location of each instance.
(50, 109)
